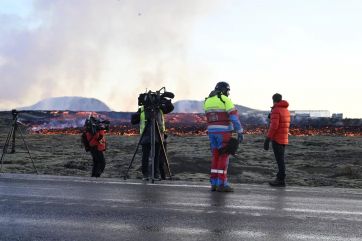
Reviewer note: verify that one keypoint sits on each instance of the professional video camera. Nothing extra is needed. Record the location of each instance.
(160, 99)
(14, 113)
(93, 124)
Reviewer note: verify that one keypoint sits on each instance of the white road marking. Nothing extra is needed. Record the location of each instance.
(191, 205)
(313, 237)
(321, 211)
(33, 187)
(247, 207)
(31, 201)
(191, 231)
(120, 182)
(248, 234)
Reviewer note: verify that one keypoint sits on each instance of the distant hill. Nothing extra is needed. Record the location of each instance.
(72, 103)
(195, 106)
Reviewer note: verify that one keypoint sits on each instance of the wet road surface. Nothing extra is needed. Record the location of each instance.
(73, 208)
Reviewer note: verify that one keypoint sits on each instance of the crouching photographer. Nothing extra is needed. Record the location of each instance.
(150, 115)
(93, 139)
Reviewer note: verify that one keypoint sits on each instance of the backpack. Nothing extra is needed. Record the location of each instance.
(84, 141)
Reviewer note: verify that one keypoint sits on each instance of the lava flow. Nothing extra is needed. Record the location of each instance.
(179, 124)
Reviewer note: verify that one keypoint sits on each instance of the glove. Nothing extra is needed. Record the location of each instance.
(266, 144)
(240, 137)
(100, 138)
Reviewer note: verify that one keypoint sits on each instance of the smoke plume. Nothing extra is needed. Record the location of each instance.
(111, 50)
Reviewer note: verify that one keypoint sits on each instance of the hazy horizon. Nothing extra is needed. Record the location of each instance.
(113, 50)
(182, 107)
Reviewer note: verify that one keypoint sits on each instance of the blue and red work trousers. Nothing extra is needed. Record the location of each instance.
(220, 163)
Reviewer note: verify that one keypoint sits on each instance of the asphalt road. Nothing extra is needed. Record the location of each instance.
(72, 208)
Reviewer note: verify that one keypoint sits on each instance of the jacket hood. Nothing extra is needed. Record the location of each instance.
(213, 93)
(282, 103)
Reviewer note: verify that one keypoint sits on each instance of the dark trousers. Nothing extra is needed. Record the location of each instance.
(99, 163)
(279, 150)
(146, 151)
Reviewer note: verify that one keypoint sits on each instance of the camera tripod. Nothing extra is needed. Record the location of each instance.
(12, 137)
(155, 130)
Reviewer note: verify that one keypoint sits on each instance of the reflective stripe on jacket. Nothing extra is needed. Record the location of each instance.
(143, 120)
(279, 123)
(221, 114)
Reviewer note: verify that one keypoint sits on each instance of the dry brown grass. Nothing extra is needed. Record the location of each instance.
(310, 160)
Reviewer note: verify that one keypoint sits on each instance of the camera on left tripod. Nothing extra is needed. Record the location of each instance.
(11, 140)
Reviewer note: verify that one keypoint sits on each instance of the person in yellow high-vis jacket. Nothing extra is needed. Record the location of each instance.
(222, 120)
(145, 131)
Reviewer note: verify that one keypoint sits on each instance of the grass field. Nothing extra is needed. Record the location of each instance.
(310, 160)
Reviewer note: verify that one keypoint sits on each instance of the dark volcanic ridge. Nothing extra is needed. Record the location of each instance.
(71, 103)
(76, 103)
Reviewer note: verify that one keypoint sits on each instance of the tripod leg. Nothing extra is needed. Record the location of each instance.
(15, 127)
(153, 152)
(164, 151)
(6, 146)
(27, 148)
(130, 163)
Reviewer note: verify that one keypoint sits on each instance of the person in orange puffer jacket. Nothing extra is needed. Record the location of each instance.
(278, 134)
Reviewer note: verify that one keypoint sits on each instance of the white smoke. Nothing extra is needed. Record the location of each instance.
(111, 50)
(189, 106)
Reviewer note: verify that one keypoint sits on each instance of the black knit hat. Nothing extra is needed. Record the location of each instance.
(277, 97)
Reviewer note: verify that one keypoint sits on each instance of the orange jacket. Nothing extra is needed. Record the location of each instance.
(98, 140)
(279, 123)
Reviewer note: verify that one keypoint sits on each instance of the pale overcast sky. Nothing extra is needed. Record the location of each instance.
(309, 51)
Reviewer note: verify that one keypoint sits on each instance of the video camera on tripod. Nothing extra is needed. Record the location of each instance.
(160, 100)
(153, 105)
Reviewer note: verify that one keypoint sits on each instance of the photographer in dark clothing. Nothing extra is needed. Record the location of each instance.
(146, 142)
(143, 116)
(145, 131)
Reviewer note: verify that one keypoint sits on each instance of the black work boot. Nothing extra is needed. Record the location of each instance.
(157, 178)
(277, 183)
(223, 188)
